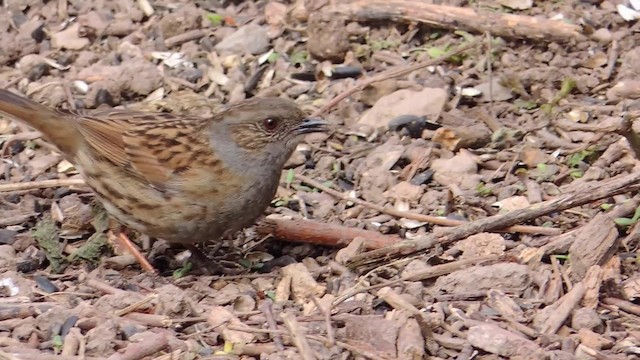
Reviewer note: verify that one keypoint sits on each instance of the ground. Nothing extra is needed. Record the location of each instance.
(482, 168)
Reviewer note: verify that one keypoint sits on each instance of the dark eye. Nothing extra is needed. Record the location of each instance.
(270, 124)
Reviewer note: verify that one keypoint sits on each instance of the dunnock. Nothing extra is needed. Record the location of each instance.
(178, 178)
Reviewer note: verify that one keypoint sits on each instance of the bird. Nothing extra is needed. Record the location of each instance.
(182, 179)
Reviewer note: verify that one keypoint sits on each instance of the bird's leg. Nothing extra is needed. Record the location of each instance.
(123, 240)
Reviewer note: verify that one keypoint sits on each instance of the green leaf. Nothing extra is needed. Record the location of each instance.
(245, 263)
(382, 44)
(100, 219)
(606, 206)
(298, 57)
(574, 160)
(627, 221)
(567, 86)
(436, 51)
(57, 342)
(270, 294)
(291, 175)
(483, 190)
(624, 221)
(527, 105)
(183, 271)
(46, 234)
(335, 168)
(328, 183)
(576, 174)
(91, 250)
(547, 108)
(214, 19)
(273, 57)
(468, 37)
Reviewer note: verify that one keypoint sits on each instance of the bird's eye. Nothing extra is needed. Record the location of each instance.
(270, 124)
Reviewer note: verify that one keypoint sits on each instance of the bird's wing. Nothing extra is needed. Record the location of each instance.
(150, 147)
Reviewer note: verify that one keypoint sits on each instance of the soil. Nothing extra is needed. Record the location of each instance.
(509, 123)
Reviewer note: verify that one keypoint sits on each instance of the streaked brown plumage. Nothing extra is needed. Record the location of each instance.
(182, 179)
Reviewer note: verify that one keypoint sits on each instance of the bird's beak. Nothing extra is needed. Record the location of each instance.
(312, 124)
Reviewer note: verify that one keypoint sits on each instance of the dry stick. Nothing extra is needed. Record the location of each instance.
(317, 338)
(458, 18)
(421, 217)
(392, 73)
(43, 184)
(298, 336)
(327, 319)
(184, 37)
(422, 275)
(313, 232)
(136, 305)
(267, 309)
(30, 354)
(565, 305)
(614, 52)
(583, 194)
(147, 346)
(624, 305)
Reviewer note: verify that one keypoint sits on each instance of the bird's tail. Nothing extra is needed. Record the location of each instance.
(56, 127)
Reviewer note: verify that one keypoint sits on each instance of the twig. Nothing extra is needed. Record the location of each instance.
(614, 52)
(100, 286)
(43, 184)
(24, 353)
(458, 18)
(429, 273)
(624, 305)
(298, 336)
(583, 194)
(184, 37)
(267, 309)
(313, 232)
(392, 73)
(420, 217)
(362, 352)
(149, 345)
(136, 306)
(327, 319)
(563, 309)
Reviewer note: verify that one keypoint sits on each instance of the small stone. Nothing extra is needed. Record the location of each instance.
(325, 163)
(297, 158)
(602, 35)
(249, 39)
(585, 318)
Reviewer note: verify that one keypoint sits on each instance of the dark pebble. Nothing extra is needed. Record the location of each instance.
(38, 34)
(104, 97)
(68, 324)
(7, 237)
(45, 284)
(278, 262)
(28, 265)
(38, 71)
(422, 178)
